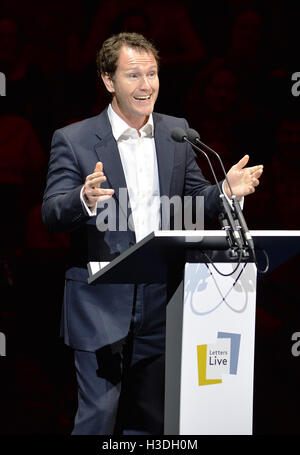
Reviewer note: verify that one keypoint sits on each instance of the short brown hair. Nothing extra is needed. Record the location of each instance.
(108, 55)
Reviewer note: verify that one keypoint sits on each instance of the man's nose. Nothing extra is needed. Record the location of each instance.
(145, 83)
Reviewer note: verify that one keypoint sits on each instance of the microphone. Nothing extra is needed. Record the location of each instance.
(194, 137)
(179, 135)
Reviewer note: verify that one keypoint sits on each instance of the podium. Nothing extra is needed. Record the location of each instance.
(210, 328)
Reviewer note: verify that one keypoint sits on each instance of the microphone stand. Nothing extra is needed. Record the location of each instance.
(194, 137)
(226, 217)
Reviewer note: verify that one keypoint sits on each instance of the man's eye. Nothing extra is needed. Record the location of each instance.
(133, 75)
(152, 74)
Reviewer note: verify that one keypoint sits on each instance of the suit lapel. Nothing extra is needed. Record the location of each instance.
(164, 153)
(108, 153)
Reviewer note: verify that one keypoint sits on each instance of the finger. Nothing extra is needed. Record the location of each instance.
(107, 191)
(104, 197)
(255, 182)
(95, 182)
(98, 167)
(251, 189)
(255, 176)
(97, 192)
(242, 163)
(254, 169)
(94, 175)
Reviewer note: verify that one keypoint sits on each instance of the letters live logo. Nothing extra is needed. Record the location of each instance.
(218, 358)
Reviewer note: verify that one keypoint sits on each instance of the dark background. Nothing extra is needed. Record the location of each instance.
(226, 66)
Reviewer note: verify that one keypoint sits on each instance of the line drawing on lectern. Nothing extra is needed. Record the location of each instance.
(200, 282)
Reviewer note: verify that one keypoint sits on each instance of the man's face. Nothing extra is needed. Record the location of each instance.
(134, 86)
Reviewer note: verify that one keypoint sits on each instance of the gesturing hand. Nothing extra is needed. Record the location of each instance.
(243, 180)
(92, 191)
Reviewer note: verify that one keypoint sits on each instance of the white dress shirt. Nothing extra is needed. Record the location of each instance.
(138, 157)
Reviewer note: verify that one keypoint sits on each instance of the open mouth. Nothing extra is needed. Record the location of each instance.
(142, 98)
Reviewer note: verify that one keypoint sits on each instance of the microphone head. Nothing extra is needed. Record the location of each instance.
(192, 135)
(178, 134)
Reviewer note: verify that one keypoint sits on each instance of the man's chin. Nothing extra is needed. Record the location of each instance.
(146, 111)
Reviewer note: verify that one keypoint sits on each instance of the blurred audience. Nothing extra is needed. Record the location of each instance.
(26, 89)
(22, 175)
(285, 170)
(218, 108)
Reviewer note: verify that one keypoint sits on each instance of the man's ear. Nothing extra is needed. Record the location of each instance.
(108, 82)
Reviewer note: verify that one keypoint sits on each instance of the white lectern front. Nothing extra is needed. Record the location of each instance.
(210, 322)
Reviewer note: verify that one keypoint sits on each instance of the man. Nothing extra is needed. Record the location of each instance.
(118, 331)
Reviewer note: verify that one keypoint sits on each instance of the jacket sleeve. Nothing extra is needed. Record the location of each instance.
(62, 209)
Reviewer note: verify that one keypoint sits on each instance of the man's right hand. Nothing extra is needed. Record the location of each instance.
(92, 191)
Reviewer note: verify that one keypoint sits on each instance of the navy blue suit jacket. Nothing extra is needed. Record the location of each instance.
(94, 316)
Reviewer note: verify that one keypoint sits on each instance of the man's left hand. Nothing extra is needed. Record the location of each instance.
(243, 180)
